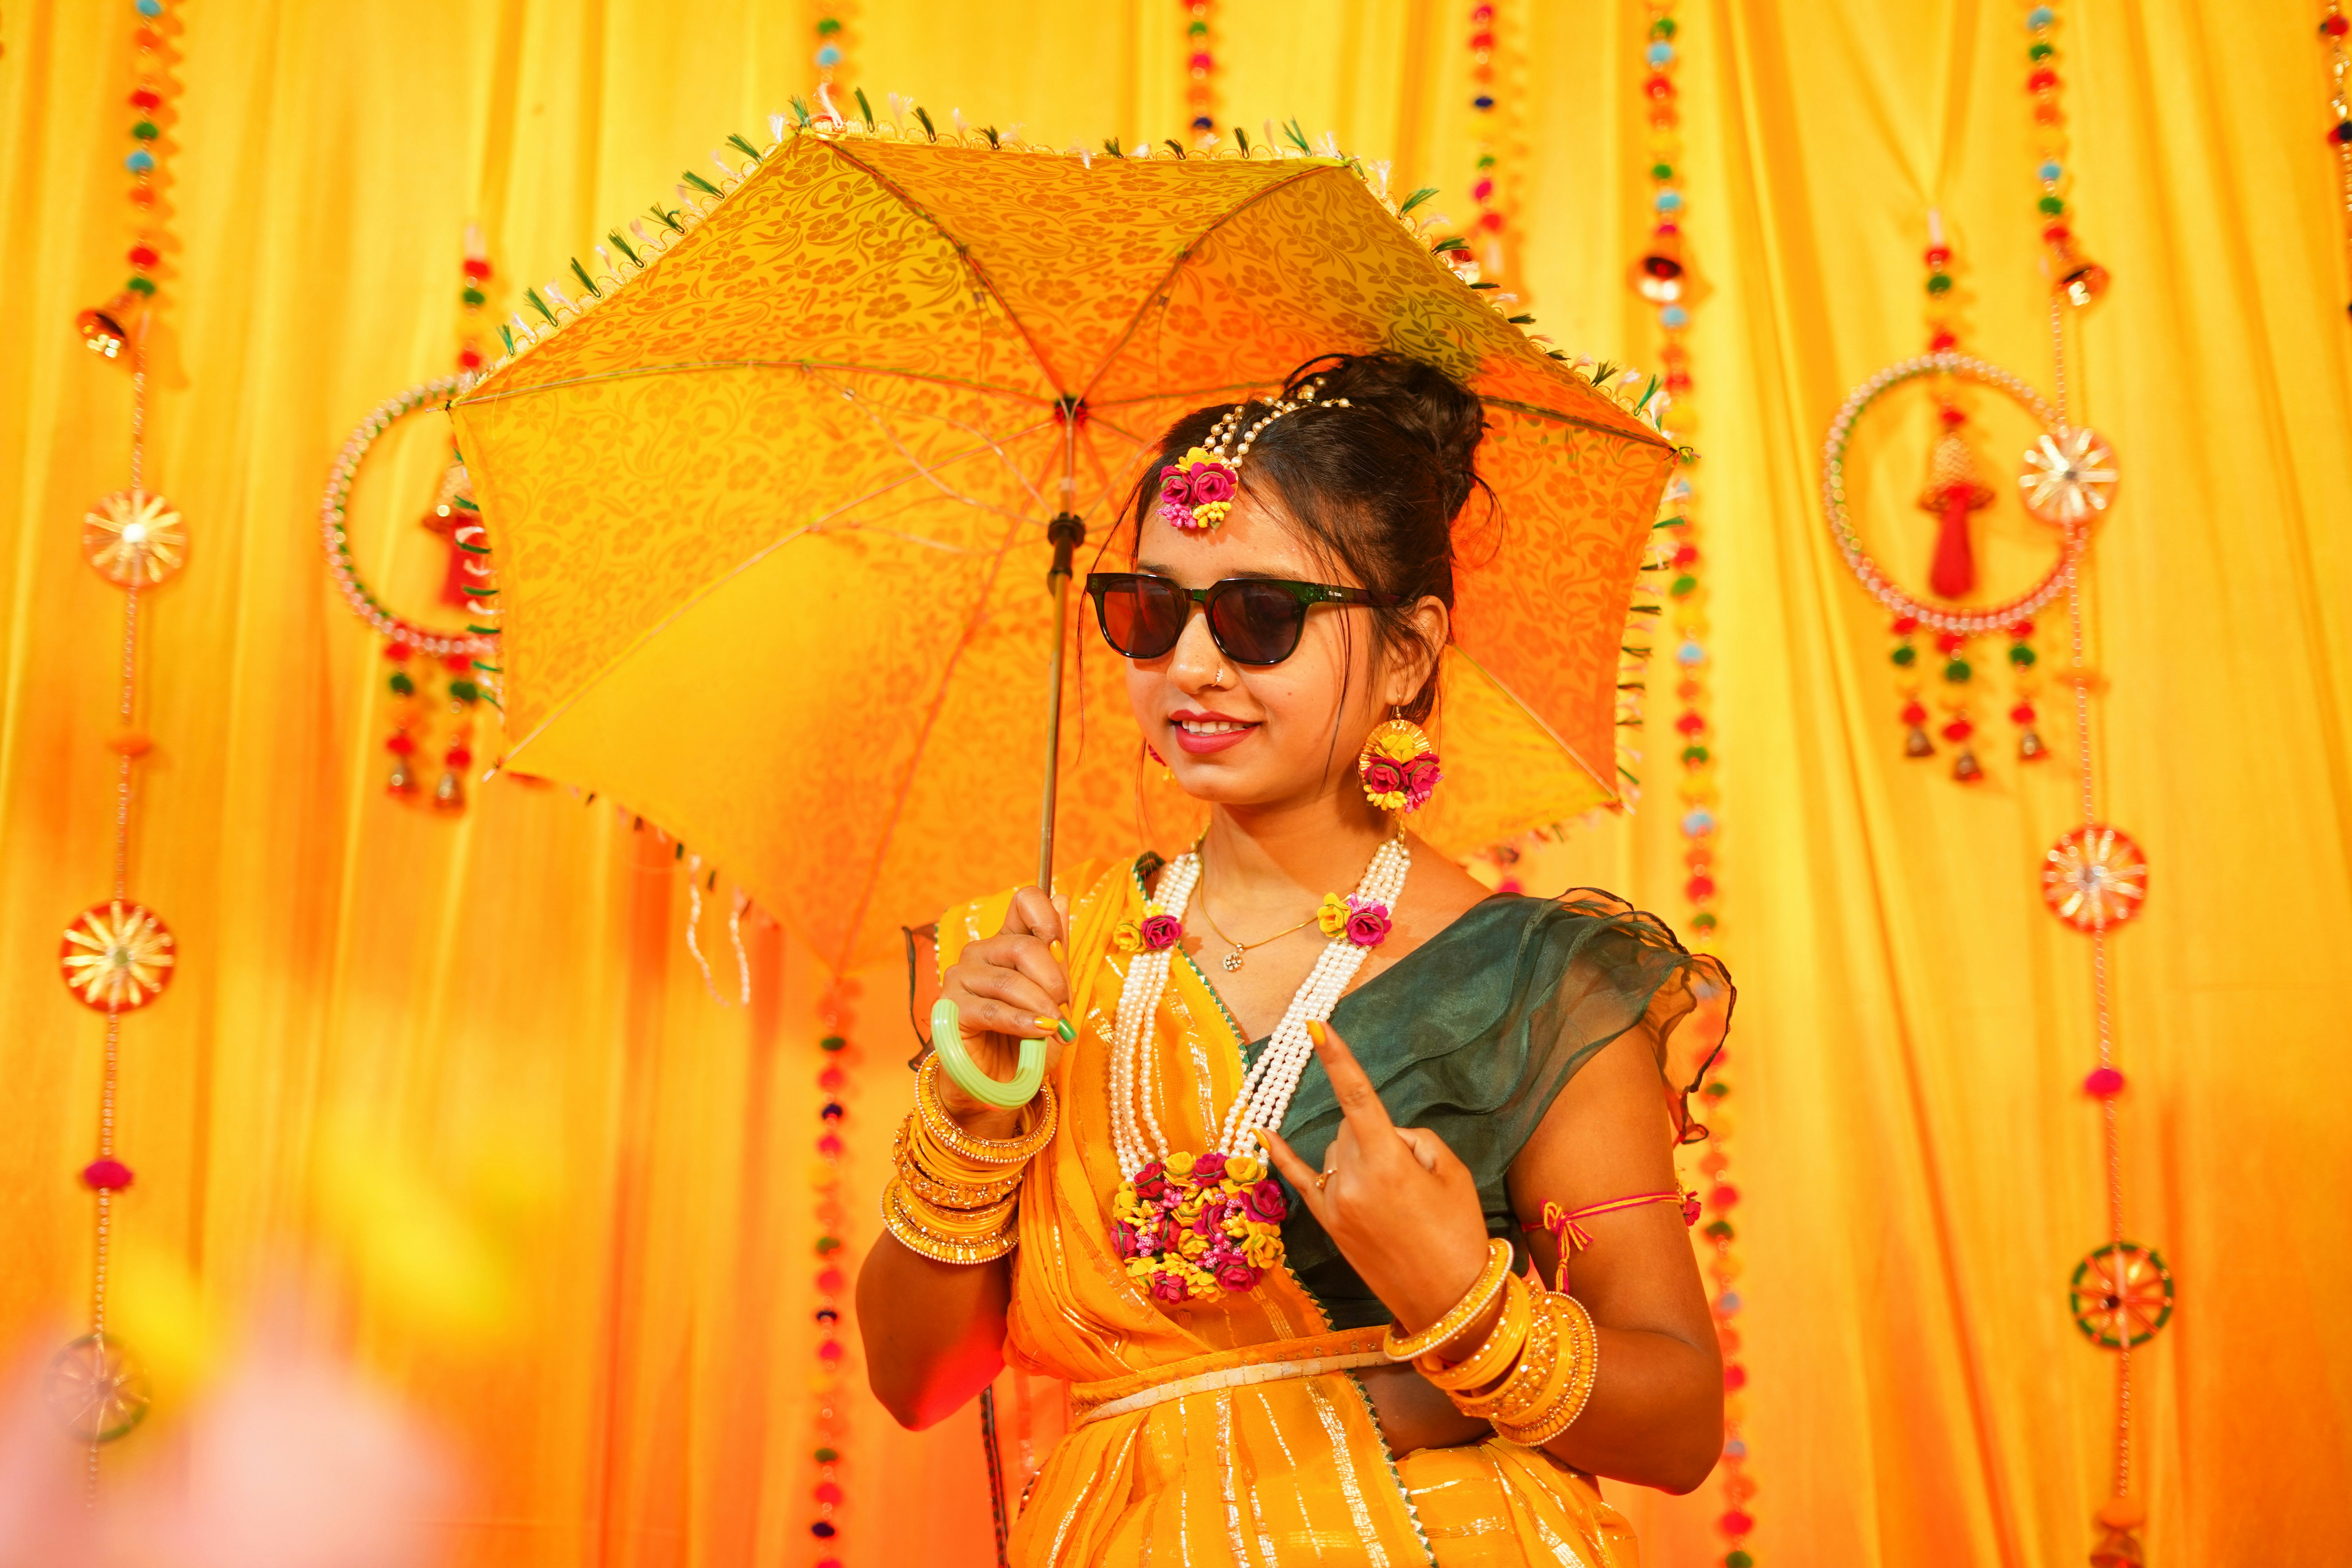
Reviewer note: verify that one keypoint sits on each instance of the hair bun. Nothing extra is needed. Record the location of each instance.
(1421, 400)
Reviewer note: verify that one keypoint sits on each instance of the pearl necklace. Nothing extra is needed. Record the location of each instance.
(1267, 1090)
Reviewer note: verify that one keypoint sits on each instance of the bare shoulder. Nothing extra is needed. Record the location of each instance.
(1436, 894)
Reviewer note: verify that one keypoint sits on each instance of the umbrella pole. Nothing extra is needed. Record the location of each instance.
(1067, 533)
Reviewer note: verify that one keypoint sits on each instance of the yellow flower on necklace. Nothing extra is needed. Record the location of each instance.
(1331, 916)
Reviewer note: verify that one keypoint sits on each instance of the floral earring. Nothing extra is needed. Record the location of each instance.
(1398, 765)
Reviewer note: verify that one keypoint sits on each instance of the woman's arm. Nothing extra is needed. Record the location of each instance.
(1655, 1416)
(933, 1331)
(1405, 1213)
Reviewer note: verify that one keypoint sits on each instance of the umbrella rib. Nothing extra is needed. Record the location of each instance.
(799, 364)
(816, 525)
(1135, 323)
(1608, 790)
(907, 780)
(841, 151)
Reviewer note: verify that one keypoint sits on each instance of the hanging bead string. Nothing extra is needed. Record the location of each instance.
(117, 956)
(1200, 70)
(2333, 25)
(1662, 278)
(2077, 282)
(832, 1280)
(1488, 241)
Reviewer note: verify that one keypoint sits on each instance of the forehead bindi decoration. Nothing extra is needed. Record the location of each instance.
(1196, 492)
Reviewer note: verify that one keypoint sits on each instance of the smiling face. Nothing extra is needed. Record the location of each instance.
(1267, 735)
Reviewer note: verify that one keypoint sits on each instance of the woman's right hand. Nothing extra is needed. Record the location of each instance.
(1008, 988)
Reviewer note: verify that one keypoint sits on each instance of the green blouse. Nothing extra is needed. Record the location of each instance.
(1473, 1034)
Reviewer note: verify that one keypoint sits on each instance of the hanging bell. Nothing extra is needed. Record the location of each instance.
(1658, 276)
(2116, 1549)
(2030, 748)
(2082, 283)
(103, 330)
(403, 781)
(449, 794)
(1915, 743)
(1966, 769)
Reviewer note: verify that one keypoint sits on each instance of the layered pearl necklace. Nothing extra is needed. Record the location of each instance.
(1190, 1224)
(1267, 1091)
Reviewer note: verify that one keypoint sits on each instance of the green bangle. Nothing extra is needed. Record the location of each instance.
(946, 1041)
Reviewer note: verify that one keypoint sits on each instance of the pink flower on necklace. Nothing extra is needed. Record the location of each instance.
(1367, 922)
(1162, 930)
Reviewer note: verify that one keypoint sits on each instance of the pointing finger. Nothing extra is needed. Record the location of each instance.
(1358, 1101)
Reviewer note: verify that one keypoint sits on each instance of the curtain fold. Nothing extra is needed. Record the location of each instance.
(494, 1023)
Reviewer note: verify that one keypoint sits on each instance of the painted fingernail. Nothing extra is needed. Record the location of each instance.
(1051, 1026)
(1315, 1030)
(1067, 1030)
(1054, 947)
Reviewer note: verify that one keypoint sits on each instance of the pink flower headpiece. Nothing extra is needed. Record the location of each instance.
(1196, 493)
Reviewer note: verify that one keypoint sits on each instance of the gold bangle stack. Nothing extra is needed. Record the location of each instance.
(954, 1197)
(1400, 1346)
(1533, 1373)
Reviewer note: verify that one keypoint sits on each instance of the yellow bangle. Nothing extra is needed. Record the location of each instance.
(909, 1225)
(1495, 1355)
(949, 1191)
(1567, 1394)
(937, 1127)
(1481, 1295)
(1527, 1376)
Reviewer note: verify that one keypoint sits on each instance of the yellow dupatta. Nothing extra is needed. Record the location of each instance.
(1202, 1432)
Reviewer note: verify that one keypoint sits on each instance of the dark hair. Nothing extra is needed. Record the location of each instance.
(1375, 486)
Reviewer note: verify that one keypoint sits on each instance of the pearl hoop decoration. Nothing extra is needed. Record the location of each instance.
(2074, 538)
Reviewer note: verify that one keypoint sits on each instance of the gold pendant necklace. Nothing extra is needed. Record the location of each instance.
(1232, 961)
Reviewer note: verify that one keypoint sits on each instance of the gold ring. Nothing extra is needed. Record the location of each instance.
(1323, 1179)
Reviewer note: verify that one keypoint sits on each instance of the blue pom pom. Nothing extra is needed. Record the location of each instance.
(1690, 653)
(151, 8)
(1735, 1449)
(1483, 101)
(829, 56)
(1699, 823)
(140, 161)
(2050, 171)
(1674, 316)
(2040, 16)
(1667, 201)
(1728, 1303)
(1661, 53)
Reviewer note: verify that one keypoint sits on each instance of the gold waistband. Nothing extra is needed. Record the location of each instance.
(1270, 1362)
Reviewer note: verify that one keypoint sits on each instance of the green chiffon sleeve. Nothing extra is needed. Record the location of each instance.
(1475, 1034)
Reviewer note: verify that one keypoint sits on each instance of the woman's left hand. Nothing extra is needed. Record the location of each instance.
(1402, 1209)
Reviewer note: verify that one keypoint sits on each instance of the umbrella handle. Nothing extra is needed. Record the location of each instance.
(947, 1039)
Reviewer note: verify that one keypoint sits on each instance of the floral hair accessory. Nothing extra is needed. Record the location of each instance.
(1190, 1227)
(1196, 493)
(1359, 920)
(1399, 766)
(1158, 929)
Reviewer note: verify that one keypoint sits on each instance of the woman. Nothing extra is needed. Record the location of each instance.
(1345, 1365)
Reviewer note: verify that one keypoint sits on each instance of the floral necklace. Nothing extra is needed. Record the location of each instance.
(1187, 1224)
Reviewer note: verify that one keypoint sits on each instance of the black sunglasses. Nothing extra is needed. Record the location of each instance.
(1253, 620)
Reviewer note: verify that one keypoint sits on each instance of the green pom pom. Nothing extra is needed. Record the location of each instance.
(1694, 756)
(1684, 586)
(1958, 671)
(1720, 1230)
(1939, 283)
(827, 1244)
(145, 131)
(1703, 920)
(827, 1456)
(473, 296)
(141, 285)
(2051, 205)
(465, 692)
(1906, 655)
(1738, 1559)
(2022, 655)
(401, 683)
(833, 1043)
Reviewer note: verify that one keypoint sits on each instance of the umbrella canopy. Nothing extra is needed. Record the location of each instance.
(769, 511)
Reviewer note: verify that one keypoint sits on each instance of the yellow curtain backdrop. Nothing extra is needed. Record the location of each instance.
(467, 1074)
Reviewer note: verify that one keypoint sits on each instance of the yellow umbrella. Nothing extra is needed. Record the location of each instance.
(774, 495)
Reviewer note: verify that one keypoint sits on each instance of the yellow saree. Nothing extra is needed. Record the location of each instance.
(1227, 1431)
